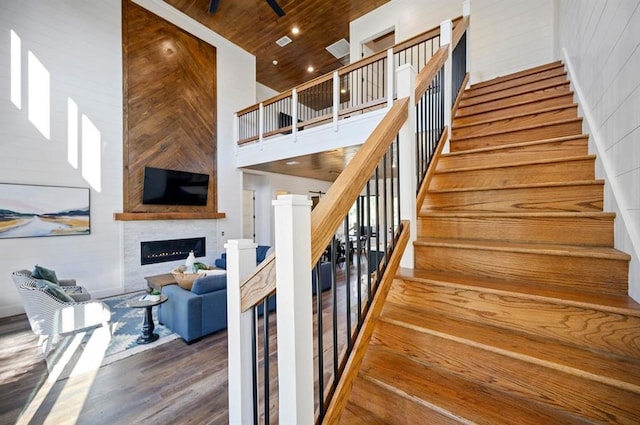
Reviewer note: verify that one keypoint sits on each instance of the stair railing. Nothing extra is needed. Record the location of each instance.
(368, 188)
(253, 366)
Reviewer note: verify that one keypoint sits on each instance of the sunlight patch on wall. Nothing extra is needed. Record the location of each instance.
(91, 153)
(72, 133)
(39, 94)
(16, 70)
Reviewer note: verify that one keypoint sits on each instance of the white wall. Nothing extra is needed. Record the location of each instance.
(599, 42)
(509, 36)
(506, 35)
(80, 45)
(406, 17)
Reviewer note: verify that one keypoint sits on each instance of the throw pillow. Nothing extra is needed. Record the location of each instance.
(54, 290)
(40, 272)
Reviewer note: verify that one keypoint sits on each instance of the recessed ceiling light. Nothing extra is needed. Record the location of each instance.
(343, 90)
(292, 162)
(275, 62)
(295, 30)
(310, 69)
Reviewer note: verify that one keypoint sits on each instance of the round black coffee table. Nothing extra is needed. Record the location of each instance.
(147, 324)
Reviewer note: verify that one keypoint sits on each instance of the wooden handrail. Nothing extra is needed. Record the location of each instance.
(362, 63)
(343, 390)
(260, 284)
(459, 29)
(335, 205)
(316, 81)
(424, 78)
(278, 97)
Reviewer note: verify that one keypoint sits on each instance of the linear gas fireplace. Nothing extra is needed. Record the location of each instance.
(170, 250)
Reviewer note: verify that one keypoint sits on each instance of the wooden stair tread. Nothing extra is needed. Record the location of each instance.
(513, 116)
(532, 87)
(512, 130)
(516, 214)
(462, 400)
(521, 186)
(356, 415)
(547, 249)
(514, 145)
(510, 374)
(619, 304)
(539, 161)
(501, 78)
(624, 373)
(514, 82)
(467, 112)
(534, 94)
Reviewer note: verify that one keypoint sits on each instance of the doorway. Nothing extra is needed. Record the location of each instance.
(249, 215)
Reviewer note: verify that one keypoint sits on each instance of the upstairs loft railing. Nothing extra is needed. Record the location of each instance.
(372, 238)
(363, 86)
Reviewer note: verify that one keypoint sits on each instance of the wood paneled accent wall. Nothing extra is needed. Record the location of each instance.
(169, 107)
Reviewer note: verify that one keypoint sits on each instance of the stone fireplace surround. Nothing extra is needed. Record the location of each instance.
(135, 232)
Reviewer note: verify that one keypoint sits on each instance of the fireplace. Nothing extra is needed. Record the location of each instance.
(170, 250)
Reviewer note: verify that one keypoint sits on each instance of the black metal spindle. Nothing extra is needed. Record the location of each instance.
(265, 356)
(254, 363)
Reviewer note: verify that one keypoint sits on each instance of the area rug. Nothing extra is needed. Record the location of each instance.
(89, 350)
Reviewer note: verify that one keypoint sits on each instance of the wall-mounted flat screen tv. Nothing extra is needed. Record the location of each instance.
(173, 187)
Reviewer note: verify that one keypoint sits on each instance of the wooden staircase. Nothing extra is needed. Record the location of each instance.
(516, 311)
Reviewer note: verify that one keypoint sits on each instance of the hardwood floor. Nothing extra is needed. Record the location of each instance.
(173, 383)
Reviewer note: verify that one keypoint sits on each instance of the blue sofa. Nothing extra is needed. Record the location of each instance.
(198, 312)
(261, 254)
(203, 310)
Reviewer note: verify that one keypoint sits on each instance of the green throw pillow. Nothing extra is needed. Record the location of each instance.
(40, 272)
(54, 290)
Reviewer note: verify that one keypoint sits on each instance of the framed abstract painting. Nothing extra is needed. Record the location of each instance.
(28, 211)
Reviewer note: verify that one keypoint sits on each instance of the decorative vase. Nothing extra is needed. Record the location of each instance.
(190, 263)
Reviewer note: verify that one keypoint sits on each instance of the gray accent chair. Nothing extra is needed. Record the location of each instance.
(49, 316)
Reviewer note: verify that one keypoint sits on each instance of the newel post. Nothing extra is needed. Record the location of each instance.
(241, 261)
(294, 309)
(406, 77)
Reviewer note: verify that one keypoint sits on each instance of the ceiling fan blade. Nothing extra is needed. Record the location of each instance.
(213, 6)
(276, 8)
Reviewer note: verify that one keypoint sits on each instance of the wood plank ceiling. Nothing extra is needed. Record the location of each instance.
(254, 26)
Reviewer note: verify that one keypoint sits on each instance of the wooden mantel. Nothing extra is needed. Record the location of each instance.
(177, 215)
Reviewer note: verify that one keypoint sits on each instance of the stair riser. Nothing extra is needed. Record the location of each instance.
(579, 231)
(393, 408)
(551, 150)
(515, 91)
(515, 82)
(602, 275)
(570, 128)
(562, 171)
(576, 198)
(496, 114)
(591, 329)
(503, 373)
(535, 95)
(514, 123)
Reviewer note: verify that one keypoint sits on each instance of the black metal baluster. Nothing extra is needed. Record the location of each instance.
(265, 357)
(254, 363)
